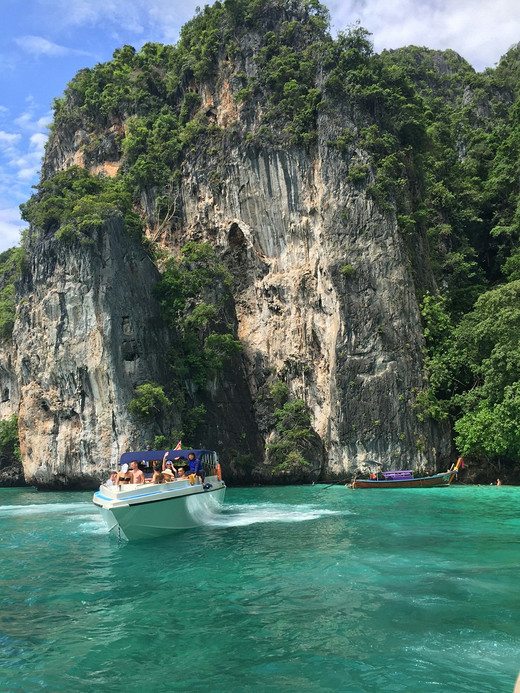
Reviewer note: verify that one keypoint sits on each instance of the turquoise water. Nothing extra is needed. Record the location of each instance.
(289, 589)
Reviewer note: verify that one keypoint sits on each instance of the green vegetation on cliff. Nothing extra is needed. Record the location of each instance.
(193, 293)
(73, 203)
(9, 443)
(10, 268)
(472, 202)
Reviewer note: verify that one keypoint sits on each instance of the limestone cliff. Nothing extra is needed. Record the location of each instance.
(87, 331)
(11, 471)
(325, 300)
(10, 396)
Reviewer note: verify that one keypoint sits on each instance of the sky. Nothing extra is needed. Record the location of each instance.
(43, 43)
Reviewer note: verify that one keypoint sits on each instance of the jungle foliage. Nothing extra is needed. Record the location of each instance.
(433, 143)
(192, 293)
(293, 429)
(9, 443)
(73, 203)
(11, 262)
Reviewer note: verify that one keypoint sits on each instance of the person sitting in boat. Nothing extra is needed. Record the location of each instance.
(112, 479)
(168, 475)
(196, 466)
(181, 473)
(166, 463)
(124, 476)
(157, 472)
(136, 473)
(169, 465)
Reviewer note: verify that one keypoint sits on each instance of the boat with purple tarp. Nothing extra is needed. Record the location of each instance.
(404, 478)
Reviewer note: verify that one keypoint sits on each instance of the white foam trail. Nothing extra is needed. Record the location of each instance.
(42, 509)
(243, 515)
(92, 527)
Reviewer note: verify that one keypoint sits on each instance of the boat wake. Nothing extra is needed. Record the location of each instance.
(45, 509)
(243, 515)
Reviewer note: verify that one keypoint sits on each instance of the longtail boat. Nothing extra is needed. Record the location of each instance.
(405, 479)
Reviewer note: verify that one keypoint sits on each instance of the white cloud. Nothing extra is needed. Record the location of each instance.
(10, 227)
(80, 13)
(158, 20)
(38, 141)
(28, 165)
(27, 121)
(8, 141)
(169, 17)
(38, 46)
(480, 31)
(21, 154)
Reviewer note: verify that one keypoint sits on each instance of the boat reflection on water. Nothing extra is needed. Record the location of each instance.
(144, 511)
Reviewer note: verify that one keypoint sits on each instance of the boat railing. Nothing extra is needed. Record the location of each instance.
(210, 463)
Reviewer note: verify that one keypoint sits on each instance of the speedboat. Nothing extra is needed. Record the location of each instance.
(145, 511)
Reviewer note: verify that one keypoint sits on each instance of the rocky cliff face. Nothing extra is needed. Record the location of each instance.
(325, 296)
(11, 471)
(87, 331)
(324, 300)
(9, 390)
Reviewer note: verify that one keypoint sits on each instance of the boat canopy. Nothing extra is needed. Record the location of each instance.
(398, 474)
(157, 455)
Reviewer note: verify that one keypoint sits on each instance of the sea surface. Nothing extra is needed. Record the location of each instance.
(290, 589)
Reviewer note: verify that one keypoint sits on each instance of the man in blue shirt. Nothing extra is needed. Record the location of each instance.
(196, 466)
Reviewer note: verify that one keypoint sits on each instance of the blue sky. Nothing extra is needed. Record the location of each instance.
(45, 42)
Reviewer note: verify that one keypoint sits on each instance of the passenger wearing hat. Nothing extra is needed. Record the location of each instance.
(168, 475)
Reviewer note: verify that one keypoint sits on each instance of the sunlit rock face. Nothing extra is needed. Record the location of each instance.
(87, 332)
(325, 300)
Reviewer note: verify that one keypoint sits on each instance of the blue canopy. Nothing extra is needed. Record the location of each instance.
(157, 455)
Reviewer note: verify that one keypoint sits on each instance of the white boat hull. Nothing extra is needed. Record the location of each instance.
(145, 511)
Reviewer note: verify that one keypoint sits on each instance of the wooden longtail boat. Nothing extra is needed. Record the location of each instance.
(405, 479)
